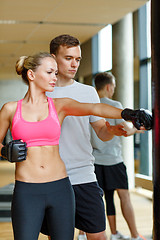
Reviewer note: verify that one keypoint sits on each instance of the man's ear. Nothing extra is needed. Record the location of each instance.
(53, 55)
(107, 87)
(30, 75)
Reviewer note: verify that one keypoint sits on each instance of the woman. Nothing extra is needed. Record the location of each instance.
(41, 182)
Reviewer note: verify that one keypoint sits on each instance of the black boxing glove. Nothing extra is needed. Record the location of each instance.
(139, 117)
(14, 151)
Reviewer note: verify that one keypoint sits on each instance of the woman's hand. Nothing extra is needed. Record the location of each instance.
(14, 151)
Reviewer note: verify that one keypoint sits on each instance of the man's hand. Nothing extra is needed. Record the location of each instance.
(130, 129)
(117, 130)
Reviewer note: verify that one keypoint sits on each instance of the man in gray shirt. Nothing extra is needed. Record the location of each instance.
(109, 167)
(75, 146)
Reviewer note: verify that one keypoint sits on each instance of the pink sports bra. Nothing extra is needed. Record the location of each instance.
(42, 133)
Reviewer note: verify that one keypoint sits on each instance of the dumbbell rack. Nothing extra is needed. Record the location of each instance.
(5, 202)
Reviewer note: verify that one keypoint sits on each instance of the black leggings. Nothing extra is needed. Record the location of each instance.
(31, 201)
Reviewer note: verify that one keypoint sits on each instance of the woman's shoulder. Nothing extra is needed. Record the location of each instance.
(9, 107)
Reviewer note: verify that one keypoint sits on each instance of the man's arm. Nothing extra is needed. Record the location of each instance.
(106, 132)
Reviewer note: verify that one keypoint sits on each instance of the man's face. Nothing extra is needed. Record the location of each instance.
(68, 61)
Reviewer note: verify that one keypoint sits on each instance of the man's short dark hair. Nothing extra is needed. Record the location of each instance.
(63, 40)
(101, 79)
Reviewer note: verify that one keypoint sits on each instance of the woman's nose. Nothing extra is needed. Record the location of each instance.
(55, 77)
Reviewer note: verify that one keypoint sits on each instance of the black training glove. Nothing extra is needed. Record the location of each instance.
(139, 117)
(14, 151)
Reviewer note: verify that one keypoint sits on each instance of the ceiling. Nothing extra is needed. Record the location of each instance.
(26, 27)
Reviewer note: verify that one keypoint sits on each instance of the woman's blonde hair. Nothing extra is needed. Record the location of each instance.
(25, 63)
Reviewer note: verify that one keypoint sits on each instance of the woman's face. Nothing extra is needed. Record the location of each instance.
(45, 76)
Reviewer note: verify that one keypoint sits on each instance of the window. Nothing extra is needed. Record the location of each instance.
(105, 49)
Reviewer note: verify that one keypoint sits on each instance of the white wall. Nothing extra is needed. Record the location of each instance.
(11, 90)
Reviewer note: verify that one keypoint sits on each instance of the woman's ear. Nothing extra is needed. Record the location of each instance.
(30, 75)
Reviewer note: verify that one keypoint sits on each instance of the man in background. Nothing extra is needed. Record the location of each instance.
(109, 166)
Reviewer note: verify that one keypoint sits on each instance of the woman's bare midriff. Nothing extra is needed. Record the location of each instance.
(43, 164)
